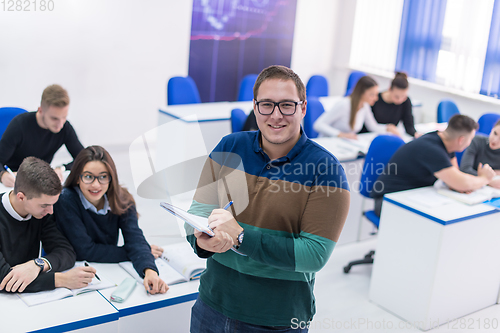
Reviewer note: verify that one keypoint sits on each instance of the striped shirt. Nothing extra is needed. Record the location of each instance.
(292, 210)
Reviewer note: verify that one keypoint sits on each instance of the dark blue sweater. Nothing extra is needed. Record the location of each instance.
(95, 237)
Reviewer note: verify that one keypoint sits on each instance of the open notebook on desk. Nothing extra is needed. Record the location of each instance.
(177, 264)
(481, 195)
(59, 293)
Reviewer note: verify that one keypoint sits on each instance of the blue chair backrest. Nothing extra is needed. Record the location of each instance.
(446, 109)
(238, 118)
(380, 152)
(351, 82)
(182, 90)
(6, 115)
(314, 110)
(246, 87)
(486, 122)
(317, 86)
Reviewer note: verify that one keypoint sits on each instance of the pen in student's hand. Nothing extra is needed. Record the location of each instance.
(87, 264)
(9, 171)
(229, 204)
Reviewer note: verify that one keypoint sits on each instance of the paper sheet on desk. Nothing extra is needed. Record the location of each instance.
(430, 200)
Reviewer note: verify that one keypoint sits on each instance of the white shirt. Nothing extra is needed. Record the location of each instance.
(8, 207)
(336, 120)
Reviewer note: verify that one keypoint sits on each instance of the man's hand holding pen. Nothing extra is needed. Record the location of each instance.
(223, 221)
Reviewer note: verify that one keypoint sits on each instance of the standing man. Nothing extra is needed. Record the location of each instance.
(24, 223)
(39, 134)
(291, 199)
(431, 157)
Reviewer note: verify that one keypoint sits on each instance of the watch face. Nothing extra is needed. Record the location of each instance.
(40, 262)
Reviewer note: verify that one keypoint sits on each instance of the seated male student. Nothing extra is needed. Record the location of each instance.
(39, 134)
(24, 222)
(432, 156)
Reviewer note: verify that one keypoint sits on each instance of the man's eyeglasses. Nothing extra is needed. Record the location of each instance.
(286, 108)
(88, 178)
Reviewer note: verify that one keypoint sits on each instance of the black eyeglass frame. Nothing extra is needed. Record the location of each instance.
(94, 178)
(277, 104)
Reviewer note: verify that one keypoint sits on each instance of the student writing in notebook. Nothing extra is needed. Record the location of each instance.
(93, 207)
(39, 134)
(431, 157)
(484, 150)
(348, 115)
(291, 200)
(25, 221)
(394, 105)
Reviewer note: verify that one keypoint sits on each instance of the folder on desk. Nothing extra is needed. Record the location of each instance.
(197, 222)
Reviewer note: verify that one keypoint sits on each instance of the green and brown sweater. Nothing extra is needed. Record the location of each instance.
(292, 210)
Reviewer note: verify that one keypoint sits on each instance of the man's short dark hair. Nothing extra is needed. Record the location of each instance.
(460, 124)
(280, 73)
(36, 177)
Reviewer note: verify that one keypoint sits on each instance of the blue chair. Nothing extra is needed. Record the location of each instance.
(351, 82)
(317, 86)
(314, 110)
(182, 90)
(380, 152)
(486, 122)
(446, 109)
(238, 118)
(459, 155)
(6, 115)
(245, 92)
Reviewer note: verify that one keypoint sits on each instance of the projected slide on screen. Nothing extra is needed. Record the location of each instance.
(233, 38)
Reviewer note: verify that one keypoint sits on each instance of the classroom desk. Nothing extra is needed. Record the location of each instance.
(170, 312)
(211, 120)
(88, 312)
(348, 154)
(436, 257)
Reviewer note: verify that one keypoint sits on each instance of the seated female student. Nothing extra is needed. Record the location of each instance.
(347, 117)
(484, 150)
(91, 210)
(394, 105)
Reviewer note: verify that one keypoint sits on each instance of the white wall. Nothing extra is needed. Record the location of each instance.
(114, 57)
(322, 41)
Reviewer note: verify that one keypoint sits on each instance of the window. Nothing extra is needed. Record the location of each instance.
(459, 56)
(376, 34)
(463, 46)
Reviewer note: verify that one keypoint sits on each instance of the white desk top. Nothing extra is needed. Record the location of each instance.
(70, 313)
(347, 150)
(218, 111)
(427, 202)
(139, 301)
(205, 111)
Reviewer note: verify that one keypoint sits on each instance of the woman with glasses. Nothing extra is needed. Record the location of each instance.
(91, 210)
(347, 116)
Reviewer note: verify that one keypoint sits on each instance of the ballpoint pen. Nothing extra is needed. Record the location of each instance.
(9, 171)
(229, 204)
(87, 264)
